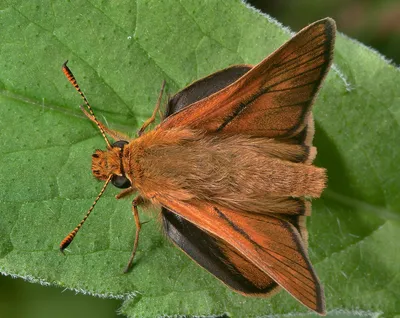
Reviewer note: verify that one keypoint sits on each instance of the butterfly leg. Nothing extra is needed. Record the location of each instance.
(135, 203)
(114, 134)
(153, 116)
(124, 193)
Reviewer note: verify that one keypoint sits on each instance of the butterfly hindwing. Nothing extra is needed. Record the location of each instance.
(205, 87)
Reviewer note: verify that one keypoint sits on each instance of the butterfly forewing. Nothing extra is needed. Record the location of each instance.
(219, 258)
(271, 244)
(274, 98)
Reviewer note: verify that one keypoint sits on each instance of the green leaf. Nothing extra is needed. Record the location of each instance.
(120, 53)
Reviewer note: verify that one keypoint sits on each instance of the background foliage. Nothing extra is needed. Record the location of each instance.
(120, 54)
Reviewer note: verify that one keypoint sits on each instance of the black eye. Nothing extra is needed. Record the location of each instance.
(120, 182)
(120, 144)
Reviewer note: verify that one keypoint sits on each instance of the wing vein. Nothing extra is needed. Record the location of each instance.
(239, 230)
(287, 70)
(298, 48)
(300, 55)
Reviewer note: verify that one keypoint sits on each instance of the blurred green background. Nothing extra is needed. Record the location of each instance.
(376, 23)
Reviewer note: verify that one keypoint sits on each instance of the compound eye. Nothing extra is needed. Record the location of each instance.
(120, 182)
(120, 143)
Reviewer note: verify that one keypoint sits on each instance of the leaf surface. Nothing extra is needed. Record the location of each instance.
(120, 53)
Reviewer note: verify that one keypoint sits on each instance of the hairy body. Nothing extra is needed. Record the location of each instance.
(185, 164)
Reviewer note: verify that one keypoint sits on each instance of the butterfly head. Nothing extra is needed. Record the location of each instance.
(109, 162)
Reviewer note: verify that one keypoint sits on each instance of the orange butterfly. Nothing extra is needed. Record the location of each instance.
(231, 167)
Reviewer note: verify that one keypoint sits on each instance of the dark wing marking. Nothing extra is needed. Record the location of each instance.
(205, 87)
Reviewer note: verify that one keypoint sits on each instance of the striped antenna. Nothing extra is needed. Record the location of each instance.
(72, 80)
(68, 239)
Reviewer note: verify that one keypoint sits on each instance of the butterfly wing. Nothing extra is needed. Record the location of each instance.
(205, 87)
(272, 246)
(211, 254)
(274, 98)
